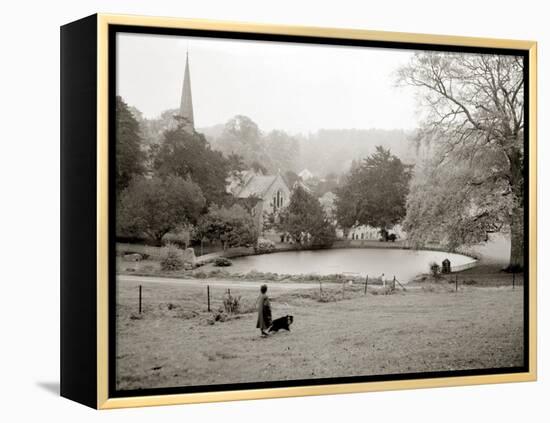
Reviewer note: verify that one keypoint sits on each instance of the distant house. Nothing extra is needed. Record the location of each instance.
(268, 193)
(364, 232)
(305, 175)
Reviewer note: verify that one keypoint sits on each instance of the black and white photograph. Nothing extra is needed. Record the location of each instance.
(293, 212)
(281, 212)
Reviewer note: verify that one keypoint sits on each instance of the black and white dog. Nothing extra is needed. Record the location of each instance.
(281, 323)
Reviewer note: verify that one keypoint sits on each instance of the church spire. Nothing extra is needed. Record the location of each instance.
(186, 105)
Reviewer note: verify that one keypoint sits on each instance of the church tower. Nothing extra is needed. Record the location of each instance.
(186, 105)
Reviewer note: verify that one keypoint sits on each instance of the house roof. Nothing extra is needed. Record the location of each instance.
(257, 185)
(301, 184)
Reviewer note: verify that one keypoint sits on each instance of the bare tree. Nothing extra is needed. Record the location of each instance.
(473, 111)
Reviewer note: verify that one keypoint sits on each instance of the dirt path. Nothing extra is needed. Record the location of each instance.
(220, 283)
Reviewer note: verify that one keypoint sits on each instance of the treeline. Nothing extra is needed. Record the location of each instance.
(176, 181)
(270, 152)
(329, 151)
(324, 152)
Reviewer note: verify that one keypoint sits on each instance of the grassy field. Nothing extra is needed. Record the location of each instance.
(177, 342)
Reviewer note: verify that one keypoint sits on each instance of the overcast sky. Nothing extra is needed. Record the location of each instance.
(293, 87)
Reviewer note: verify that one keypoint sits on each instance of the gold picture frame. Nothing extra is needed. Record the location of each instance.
(102, 217)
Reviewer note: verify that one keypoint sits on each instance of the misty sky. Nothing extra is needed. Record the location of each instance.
(293, 87)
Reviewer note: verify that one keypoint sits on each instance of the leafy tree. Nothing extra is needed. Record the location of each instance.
(305, 220)
(474, 116)
(327, 184)
(291, 178)
(282, 150)
(232, 226)
(188, 155)
(258, 167)
(156, 206)
(374, 192)
(270, 153)
(242, 135)
(130, 159)
(443, 207)
(235, 163)
(154, 128)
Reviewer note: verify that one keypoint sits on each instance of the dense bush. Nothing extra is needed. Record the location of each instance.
(222, 262)
(171, 258)
(180, 238)
(264, 246)
(232, 227)
(139, 211)
(435, 269)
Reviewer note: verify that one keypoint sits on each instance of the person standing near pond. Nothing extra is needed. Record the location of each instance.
(264, 311)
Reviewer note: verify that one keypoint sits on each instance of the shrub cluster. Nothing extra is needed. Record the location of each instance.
(435, 269)
(222, 262)
(171, 258)
(264, 246)
(231, 304)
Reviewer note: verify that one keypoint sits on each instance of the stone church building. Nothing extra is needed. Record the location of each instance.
(269, 193)
(264, 193)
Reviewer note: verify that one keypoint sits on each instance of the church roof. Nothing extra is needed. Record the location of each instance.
(257, 186)
(186, 105)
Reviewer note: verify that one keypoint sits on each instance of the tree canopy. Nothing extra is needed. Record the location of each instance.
(155, 206)
(232, 226)
(374, 192)
(241, 135)
(444, 207)
(269, 153)
(473, 116)
(188, 155)
(305, 220)
(130, 159)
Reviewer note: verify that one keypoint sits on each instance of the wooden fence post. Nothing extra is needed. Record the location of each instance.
(400, 284)
(366, 283)
(320, 289)
(513, 280)
(456, 283)
(208, 295)
(140, 299)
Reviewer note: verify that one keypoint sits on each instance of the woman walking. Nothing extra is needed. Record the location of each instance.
(264, 311)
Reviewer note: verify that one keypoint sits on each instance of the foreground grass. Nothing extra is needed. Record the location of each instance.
(176, 341)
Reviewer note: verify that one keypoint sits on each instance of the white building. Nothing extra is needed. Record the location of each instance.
(368, 233)
(305, 175)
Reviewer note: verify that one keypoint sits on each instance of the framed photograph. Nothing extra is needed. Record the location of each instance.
(257, 211)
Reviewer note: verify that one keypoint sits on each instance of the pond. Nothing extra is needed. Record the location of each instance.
(404, 264)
